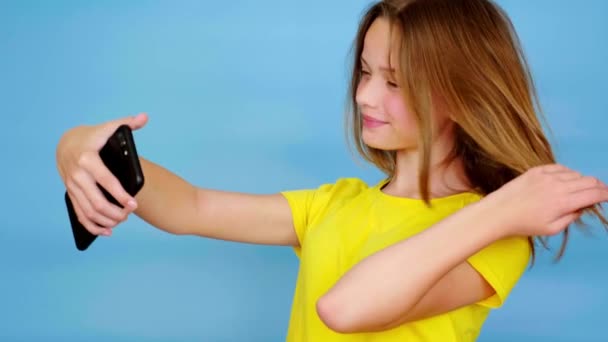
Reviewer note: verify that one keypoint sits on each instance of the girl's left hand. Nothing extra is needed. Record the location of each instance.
(544, 200)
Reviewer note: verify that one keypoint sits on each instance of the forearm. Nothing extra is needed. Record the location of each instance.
(170, 203)
(166, 201)
(389, 283)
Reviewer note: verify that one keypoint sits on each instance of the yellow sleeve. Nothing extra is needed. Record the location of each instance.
(502, 264)
(305, 205)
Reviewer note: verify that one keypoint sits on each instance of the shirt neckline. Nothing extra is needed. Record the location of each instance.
(444, 199)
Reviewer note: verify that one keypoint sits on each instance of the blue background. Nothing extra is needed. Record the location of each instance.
(247, 96)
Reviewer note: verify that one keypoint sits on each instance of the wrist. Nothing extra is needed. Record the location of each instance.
(490, 211)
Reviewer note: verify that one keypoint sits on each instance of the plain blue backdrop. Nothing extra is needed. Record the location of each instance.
(247, 96)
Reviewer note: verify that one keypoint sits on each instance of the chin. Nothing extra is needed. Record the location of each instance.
(386, 144)
(381, 145)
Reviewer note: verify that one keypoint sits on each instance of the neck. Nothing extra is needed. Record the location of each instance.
(444, 180)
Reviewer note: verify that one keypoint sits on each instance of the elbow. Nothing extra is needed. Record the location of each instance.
(336, 316)
(346, 318)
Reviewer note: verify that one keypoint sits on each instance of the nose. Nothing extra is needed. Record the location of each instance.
(369, 93)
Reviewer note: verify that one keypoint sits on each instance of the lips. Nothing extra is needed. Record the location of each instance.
(370, 119)
(371, 122)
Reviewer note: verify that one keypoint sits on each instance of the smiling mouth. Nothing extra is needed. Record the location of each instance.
(367, 123)
(368, 120)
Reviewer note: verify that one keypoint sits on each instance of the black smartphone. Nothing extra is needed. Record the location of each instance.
(120, 157)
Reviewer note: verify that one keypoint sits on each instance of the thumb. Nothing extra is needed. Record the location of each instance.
(134, 122)
(138, 121)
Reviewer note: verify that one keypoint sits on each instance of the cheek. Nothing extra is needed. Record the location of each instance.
(395, 106)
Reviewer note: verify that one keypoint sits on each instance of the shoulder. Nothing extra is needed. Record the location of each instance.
(339, 191)
(341, 186)
(311, 204)
(343, 189)
(346, 185)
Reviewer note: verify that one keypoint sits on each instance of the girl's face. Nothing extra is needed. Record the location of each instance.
(387, 124)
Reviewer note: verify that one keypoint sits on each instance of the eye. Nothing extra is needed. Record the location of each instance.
(365, 72)
(392, 84)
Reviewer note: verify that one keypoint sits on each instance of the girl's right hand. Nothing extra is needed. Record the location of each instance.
(545, 200)
(81, 167)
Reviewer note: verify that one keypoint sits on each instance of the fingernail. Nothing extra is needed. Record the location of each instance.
(132, 204)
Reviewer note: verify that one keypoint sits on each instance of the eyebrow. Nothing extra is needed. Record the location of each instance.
(383, 68)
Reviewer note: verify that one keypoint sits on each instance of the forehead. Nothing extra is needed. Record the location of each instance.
(379, 41)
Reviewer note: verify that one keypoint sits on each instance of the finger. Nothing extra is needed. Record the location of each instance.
(568, 176)
(563, 222)
(89, 211)
(98, 172)
(83, 181)
(554, 168)
(584, 198)
(82, 218)
(584, 183)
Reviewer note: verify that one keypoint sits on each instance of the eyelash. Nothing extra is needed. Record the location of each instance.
(390, 84)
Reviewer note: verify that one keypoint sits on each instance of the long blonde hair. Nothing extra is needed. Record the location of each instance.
(468, 52)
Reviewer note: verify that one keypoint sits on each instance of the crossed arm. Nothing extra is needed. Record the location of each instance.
(422, 276)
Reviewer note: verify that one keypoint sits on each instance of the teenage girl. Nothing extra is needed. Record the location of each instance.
(443, 103)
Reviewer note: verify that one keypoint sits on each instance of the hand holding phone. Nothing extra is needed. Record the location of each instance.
(119, 155)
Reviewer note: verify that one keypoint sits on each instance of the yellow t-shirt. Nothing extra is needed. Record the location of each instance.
(340, 224)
